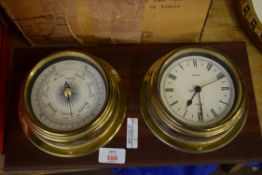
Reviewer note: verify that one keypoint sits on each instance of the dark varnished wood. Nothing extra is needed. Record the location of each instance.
(131, 62)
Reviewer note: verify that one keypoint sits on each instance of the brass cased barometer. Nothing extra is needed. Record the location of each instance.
(71, 104)
(194, 99)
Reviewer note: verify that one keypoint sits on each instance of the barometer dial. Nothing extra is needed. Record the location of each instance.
(68, 94)
(71, 104)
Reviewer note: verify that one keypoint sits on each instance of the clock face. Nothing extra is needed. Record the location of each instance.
(67, 94)
(194, 99)
(196, 89)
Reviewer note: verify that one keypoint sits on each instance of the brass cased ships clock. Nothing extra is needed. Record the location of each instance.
(194, 99)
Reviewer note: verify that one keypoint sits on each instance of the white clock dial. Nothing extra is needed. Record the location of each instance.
(194, 99)
(68, 94)
(197, 90)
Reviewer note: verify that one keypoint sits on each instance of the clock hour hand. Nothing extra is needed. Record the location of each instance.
(197, 89)
(189, 102)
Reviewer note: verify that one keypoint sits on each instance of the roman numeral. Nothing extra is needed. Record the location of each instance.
(223, 102)
(209, 65)
(175, 102)
(214, 112)
(194, 63)
(173, 77)
(220, 75)
(225, 88)
(181, 66)
(169, 89)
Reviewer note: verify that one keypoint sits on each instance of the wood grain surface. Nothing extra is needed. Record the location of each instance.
(132, 63)
(222, 25)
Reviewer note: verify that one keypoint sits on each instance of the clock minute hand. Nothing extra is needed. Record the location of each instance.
(209, 82)
(201, 108)
(218, 77)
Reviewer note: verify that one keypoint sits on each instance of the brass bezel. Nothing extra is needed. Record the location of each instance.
(90, 137)
(182, 136)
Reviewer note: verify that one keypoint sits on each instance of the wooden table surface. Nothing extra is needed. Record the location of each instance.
(222, 25)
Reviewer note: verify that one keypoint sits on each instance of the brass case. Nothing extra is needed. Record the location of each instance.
(185, 137)
(84, 140)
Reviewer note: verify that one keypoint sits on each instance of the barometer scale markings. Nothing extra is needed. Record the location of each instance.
(194, 63)
(173, 77)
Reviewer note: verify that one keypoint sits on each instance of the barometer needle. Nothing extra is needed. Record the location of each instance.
(73, 79)
(70, 106)
(68, 92)
(67, 85)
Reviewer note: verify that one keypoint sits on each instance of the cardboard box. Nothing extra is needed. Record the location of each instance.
(52, 22)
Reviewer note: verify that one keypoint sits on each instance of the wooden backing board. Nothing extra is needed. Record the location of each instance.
(131, 62)
(5, 47)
